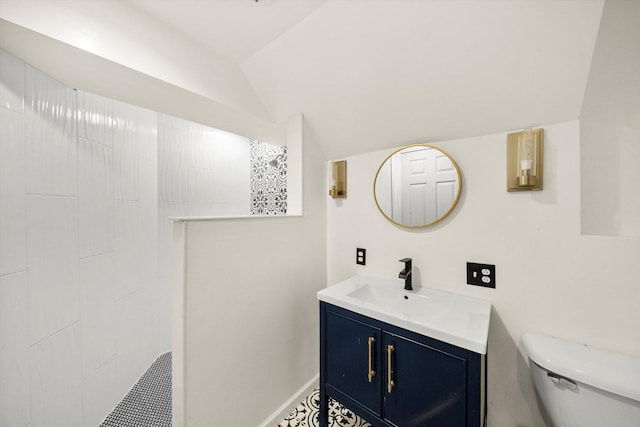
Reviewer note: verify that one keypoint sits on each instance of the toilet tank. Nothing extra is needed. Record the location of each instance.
(581, 386)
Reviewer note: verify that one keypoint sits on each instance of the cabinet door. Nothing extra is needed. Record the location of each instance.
(347, 360)
(429, 385)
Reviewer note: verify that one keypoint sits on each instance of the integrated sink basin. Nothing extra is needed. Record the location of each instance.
(409, 305)
(455, 319)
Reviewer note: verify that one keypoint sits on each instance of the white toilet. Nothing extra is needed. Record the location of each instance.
(582, 386)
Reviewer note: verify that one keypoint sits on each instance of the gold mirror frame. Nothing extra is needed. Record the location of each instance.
(443, 216)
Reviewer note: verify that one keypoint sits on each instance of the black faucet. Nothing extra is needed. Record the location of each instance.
(406, 274)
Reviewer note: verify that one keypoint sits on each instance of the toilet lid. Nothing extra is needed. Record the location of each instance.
(601, 369)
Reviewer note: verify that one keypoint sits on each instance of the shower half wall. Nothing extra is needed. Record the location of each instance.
(85, 295)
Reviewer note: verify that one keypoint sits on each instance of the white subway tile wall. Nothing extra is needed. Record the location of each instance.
(86, 186)
(96, 118)
(97, 309)
(13, 244)
(56, 379)
(11, 83)
(95, 198)
(52, 245)
(14, 297)
(100, 393)
(14, 350)
(50, 135)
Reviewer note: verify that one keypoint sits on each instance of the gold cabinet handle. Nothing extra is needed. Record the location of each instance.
(390, 383)
(371, 373)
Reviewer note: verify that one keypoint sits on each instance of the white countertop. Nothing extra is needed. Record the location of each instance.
(455, 319)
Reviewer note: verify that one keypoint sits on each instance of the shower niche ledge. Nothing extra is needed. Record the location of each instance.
(403, 358)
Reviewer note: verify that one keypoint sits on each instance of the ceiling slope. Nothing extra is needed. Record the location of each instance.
(373, 74)
(118, 32)
(366, 74)
(235, 29)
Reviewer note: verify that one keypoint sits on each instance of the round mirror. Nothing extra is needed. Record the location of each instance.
(417, 186)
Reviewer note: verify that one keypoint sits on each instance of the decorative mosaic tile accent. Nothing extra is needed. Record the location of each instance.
(306, 414)
(148, 404)
(268, 179)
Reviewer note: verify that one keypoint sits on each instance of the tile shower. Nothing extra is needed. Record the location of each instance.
(86, 185)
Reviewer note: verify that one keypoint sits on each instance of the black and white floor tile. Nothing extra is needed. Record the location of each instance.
(148, 404)
(306, 414)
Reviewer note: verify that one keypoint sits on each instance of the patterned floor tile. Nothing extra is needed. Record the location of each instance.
(306, 414)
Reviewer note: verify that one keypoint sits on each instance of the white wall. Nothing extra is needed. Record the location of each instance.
(610, 126)
(250, 309)
(550, 278)
(295, 178)
(78, 250)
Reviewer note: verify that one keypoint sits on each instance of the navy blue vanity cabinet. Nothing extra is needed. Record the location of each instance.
(353, 362)
(429, 385)
(416, 381)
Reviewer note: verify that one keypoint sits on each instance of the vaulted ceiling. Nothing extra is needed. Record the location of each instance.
(366, 74)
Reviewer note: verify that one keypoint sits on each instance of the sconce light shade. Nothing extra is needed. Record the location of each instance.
(338, 188)
(524, 160)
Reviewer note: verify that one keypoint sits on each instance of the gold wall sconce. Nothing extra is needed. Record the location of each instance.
(338, 188)
(524, 160)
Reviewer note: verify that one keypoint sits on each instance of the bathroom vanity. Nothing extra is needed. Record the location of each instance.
(403, 358)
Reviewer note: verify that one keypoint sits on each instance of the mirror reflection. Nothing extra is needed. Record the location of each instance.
(417, 186)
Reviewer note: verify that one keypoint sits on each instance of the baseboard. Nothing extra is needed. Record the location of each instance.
(288, 406)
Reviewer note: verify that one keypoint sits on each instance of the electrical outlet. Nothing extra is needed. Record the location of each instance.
(361, 256)
(481, 275)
